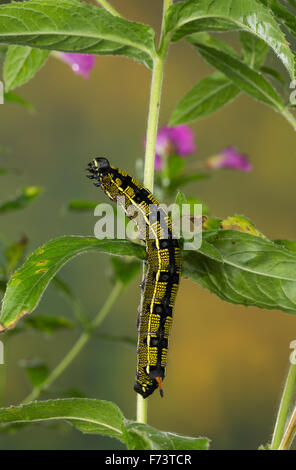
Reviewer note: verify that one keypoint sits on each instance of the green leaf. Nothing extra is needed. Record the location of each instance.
(37, 371)
(215, 43)
(188, 443)
(290, 245)
(209, 251)
(243, 76)
(180, 198)
(28, 283)
(82, 206)
(273, 73)
(282, 14)
(242, 224)
(89, 416)
(23, 199)
(72, 26)
(125, 269)
(205, 98)
(16, 99)
(145, 437)
(191, 16)
(254, 271)
(101, 417)
(254, 50)
(212, 223)
(21, 64)
(203, 23)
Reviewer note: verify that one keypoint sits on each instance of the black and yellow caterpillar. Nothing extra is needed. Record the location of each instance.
(163, 275)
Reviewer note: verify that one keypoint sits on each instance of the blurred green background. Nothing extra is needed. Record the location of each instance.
(227, 364)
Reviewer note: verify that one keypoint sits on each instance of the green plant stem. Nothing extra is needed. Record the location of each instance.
(142, 405)
(289, 433)
(108, 7)
(151, 135)
(285, 405)
(78, 346)
(3, 376)
(154, 103)
(153, 117)
(166, 5)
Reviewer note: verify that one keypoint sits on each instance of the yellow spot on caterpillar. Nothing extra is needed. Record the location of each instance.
(154, 323)
(40, 251)
(164, 357)
(167, 327)
(41, 271)
(152, 358)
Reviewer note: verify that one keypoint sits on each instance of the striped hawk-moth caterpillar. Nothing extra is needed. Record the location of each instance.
(163, 275)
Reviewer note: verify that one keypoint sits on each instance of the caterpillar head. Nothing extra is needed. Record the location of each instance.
(98, 169)
(145, 385)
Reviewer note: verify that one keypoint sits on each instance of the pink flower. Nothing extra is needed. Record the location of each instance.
(229, 158)
(178, 139)
(81, 64)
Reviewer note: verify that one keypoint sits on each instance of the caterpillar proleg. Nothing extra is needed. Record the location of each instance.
(163, 275)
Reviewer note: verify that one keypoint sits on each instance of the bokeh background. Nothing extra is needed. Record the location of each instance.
(227, 363)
